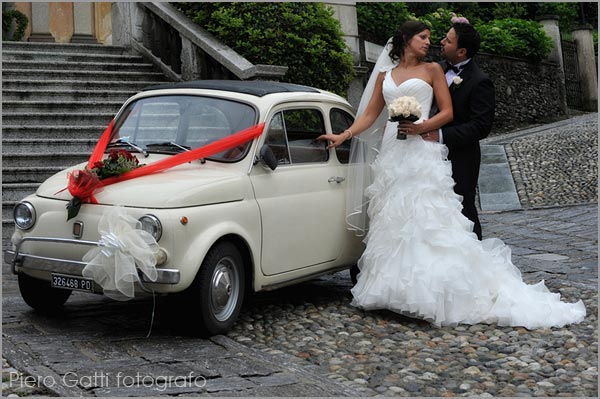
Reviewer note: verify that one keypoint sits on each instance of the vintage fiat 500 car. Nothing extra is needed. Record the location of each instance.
(253, 216)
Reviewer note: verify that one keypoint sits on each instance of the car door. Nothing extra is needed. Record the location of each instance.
(301, 202)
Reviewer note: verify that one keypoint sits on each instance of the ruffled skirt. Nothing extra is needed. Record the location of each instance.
(422, 258)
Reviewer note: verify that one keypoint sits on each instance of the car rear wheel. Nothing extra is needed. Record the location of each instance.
(40, 295)
(218, 290)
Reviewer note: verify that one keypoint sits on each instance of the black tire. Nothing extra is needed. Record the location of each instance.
(217, 291)
(40, 295)
(354, 270)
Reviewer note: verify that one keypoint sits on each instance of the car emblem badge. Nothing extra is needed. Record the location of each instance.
(78, 229)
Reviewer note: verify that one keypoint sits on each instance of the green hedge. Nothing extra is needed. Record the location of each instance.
(21, 22)
(305, 37)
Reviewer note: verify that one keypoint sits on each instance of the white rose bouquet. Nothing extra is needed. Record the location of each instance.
(404, 108)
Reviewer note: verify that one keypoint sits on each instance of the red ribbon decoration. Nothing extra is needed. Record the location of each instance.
(215, 147)
(84, 183)
(101, 145)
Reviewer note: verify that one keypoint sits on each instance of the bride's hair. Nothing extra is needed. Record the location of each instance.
(402, 37)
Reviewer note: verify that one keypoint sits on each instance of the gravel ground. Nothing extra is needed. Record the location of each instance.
(558, 166)
(391, 355)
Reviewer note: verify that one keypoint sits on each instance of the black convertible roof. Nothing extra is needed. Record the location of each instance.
(257, 88)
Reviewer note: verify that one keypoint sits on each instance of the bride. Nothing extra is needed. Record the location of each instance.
(422, 258)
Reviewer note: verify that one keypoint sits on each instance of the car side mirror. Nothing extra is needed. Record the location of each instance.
(267, 157)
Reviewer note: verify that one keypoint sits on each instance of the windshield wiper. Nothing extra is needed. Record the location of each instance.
(124, 142)
(169, 144)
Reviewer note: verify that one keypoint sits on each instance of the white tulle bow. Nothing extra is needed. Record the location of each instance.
(123, 248)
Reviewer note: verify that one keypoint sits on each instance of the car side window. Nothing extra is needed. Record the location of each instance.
(302, 127)
(292, 135)
(340, 121)
(276, 140)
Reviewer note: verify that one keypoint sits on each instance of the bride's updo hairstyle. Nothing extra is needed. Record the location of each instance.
(403, 36)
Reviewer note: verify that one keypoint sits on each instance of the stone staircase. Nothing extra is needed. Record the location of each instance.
(57, 99)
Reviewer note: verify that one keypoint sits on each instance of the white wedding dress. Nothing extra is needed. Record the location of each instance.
(422, 258)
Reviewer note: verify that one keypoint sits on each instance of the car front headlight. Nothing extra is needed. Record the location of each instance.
(152, 225)
(24, 215)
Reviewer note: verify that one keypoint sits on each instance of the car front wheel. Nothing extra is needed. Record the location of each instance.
(40, 295)
(218, 290)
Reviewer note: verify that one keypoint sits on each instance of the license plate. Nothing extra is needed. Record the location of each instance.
(72, 282)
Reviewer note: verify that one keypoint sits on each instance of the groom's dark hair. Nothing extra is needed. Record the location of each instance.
(468, 38)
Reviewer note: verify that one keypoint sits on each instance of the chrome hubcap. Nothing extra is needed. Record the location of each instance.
(224, 289)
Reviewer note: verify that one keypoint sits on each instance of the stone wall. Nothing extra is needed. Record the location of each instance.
(526, 93)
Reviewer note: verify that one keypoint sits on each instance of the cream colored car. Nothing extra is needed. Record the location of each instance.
(258, 216)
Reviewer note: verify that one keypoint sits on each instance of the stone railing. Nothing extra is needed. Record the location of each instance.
(181, 49)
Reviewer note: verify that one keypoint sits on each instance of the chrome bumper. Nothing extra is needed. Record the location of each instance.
(22, 261)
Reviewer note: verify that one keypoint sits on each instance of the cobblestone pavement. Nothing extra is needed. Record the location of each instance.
(307, 340)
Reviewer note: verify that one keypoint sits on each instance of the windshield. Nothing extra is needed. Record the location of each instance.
(172, 124)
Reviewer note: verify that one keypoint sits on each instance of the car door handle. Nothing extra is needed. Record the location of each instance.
(336, 179)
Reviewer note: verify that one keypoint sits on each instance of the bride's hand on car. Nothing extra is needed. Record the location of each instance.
(334, 140)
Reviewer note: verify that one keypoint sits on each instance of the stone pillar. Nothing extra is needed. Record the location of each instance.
(586, 61)
(345, 12)
(126, 22)
(103, 22)
(83, 23)
(550, 24)
(40, 29)
(191, 63)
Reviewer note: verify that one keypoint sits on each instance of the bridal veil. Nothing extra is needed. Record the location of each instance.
(363, 150)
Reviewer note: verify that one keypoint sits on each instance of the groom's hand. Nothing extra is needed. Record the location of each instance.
(432, 135)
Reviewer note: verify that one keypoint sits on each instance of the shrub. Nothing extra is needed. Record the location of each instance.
(377, 22)
(509, 37)
(21, 21)
(440, 22)
(303, 36)
(516, 38)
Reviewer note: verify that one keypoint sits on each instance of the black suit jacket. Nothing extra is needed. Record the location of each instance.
(473, 103)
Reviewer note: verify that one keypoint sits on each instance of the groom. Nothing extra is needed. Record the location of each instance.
(473, 101)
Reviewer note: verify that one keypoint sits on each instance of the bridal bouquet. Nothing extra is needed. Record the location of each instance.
(404, 108)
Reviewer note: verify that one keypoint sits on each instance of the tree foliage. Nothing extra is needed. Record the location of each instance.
(305, 37)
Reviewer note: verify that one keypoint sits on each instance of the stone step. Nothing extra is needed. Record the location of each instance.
(65, 95)
(36, 65)
(37, 146)
(54, 74)
(49, 118)
(17, 191)
(61, 106)
(8, 228)
(28, 174)
(65, 48)
(7, 211)
(62, 159)
(70, 84)
(12, 132)
(9, 55)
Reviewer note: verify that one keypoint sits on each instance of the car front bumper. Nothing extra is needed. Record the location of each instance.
(22, 262)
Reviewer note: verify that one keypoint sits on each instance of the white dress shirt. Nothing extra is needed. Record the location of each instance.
(449, 76)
